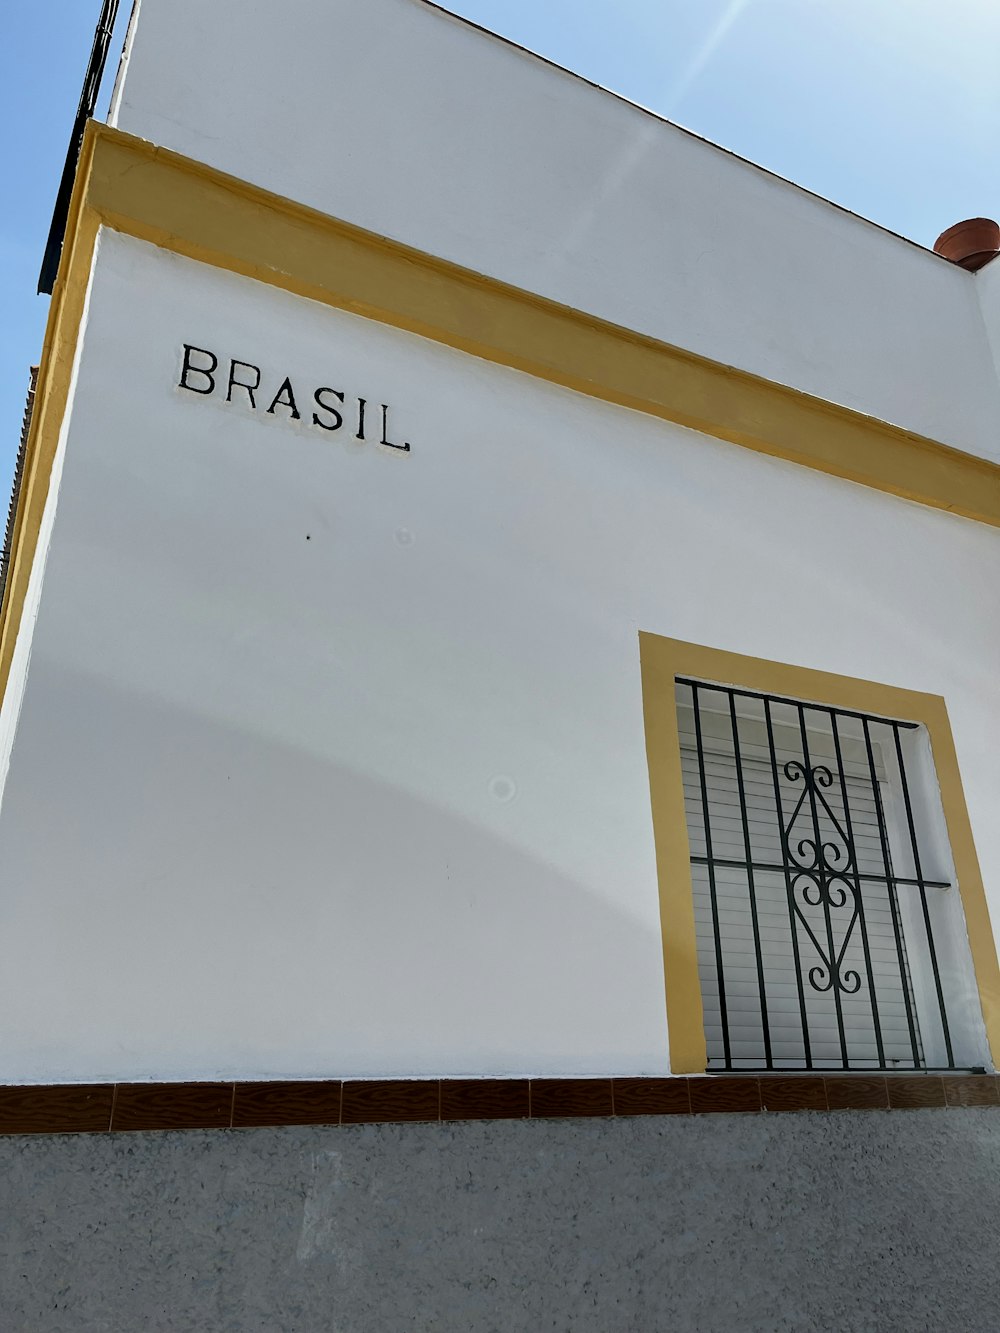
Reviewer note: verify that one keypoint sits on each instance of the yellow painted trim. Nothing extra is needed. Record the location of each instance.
(191, 209)
(662, 661)
(194, 210)
(51, 393)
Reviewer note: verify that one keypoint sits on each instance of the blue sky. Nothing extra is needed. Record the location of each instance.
(888, 107)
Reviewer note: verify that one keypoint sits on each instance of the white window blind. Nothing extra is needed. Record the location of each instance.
(846, 999)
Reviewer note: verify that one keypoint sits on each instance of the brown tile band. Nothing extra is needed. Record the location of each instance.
(109, 1107)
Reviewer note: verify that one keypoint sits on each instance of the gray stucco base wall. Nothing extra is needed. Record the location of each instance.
(846, 1221)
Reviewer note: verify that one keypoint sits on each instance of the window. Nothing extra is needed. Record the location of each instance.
(822, 895)
(821, 902)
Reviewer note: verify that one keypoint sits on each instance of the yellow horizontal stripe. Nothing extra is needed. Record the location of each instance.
(192, 209)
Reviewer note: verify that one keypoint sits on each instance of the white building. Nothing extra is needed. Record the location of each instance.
(502, 590)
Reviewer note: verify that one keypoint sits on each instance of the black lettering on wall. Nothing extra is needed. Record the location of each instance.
(285, 398)
(199, 367)
(188, 369)
(235, 383)
(338, 419)
(385, 432)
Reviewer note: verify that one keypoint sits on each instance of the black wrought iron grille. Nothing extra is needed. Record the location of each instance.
(814, 908)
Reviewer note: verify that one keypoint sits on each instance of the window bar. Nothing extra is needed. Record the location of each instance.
(750, 883)
(891, 887)
(865, 878)
(794, 703)
(853, 853)
(828, 873)
(789, 887)
(819, 873)
(711, 879)
(923, 893)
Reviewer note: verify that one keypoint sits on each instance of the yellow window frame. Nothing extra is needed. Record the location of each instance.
(662, 660)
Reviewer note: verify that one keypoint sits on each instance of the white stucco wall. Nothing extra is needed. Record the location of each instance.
(988, 291)
(400, 118)
(331, 758)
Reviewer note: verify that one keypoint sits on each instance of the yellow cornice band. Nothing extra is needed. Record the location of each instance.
(195, 210)
(185, 206)
(662, 660)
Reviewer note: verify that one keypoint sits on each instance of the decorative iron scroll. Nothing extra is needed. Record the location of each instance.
(840, 905)
(819, 874)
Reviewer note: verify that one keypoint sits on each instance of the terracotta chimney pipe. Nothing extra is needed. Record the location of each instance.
(970, 244)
